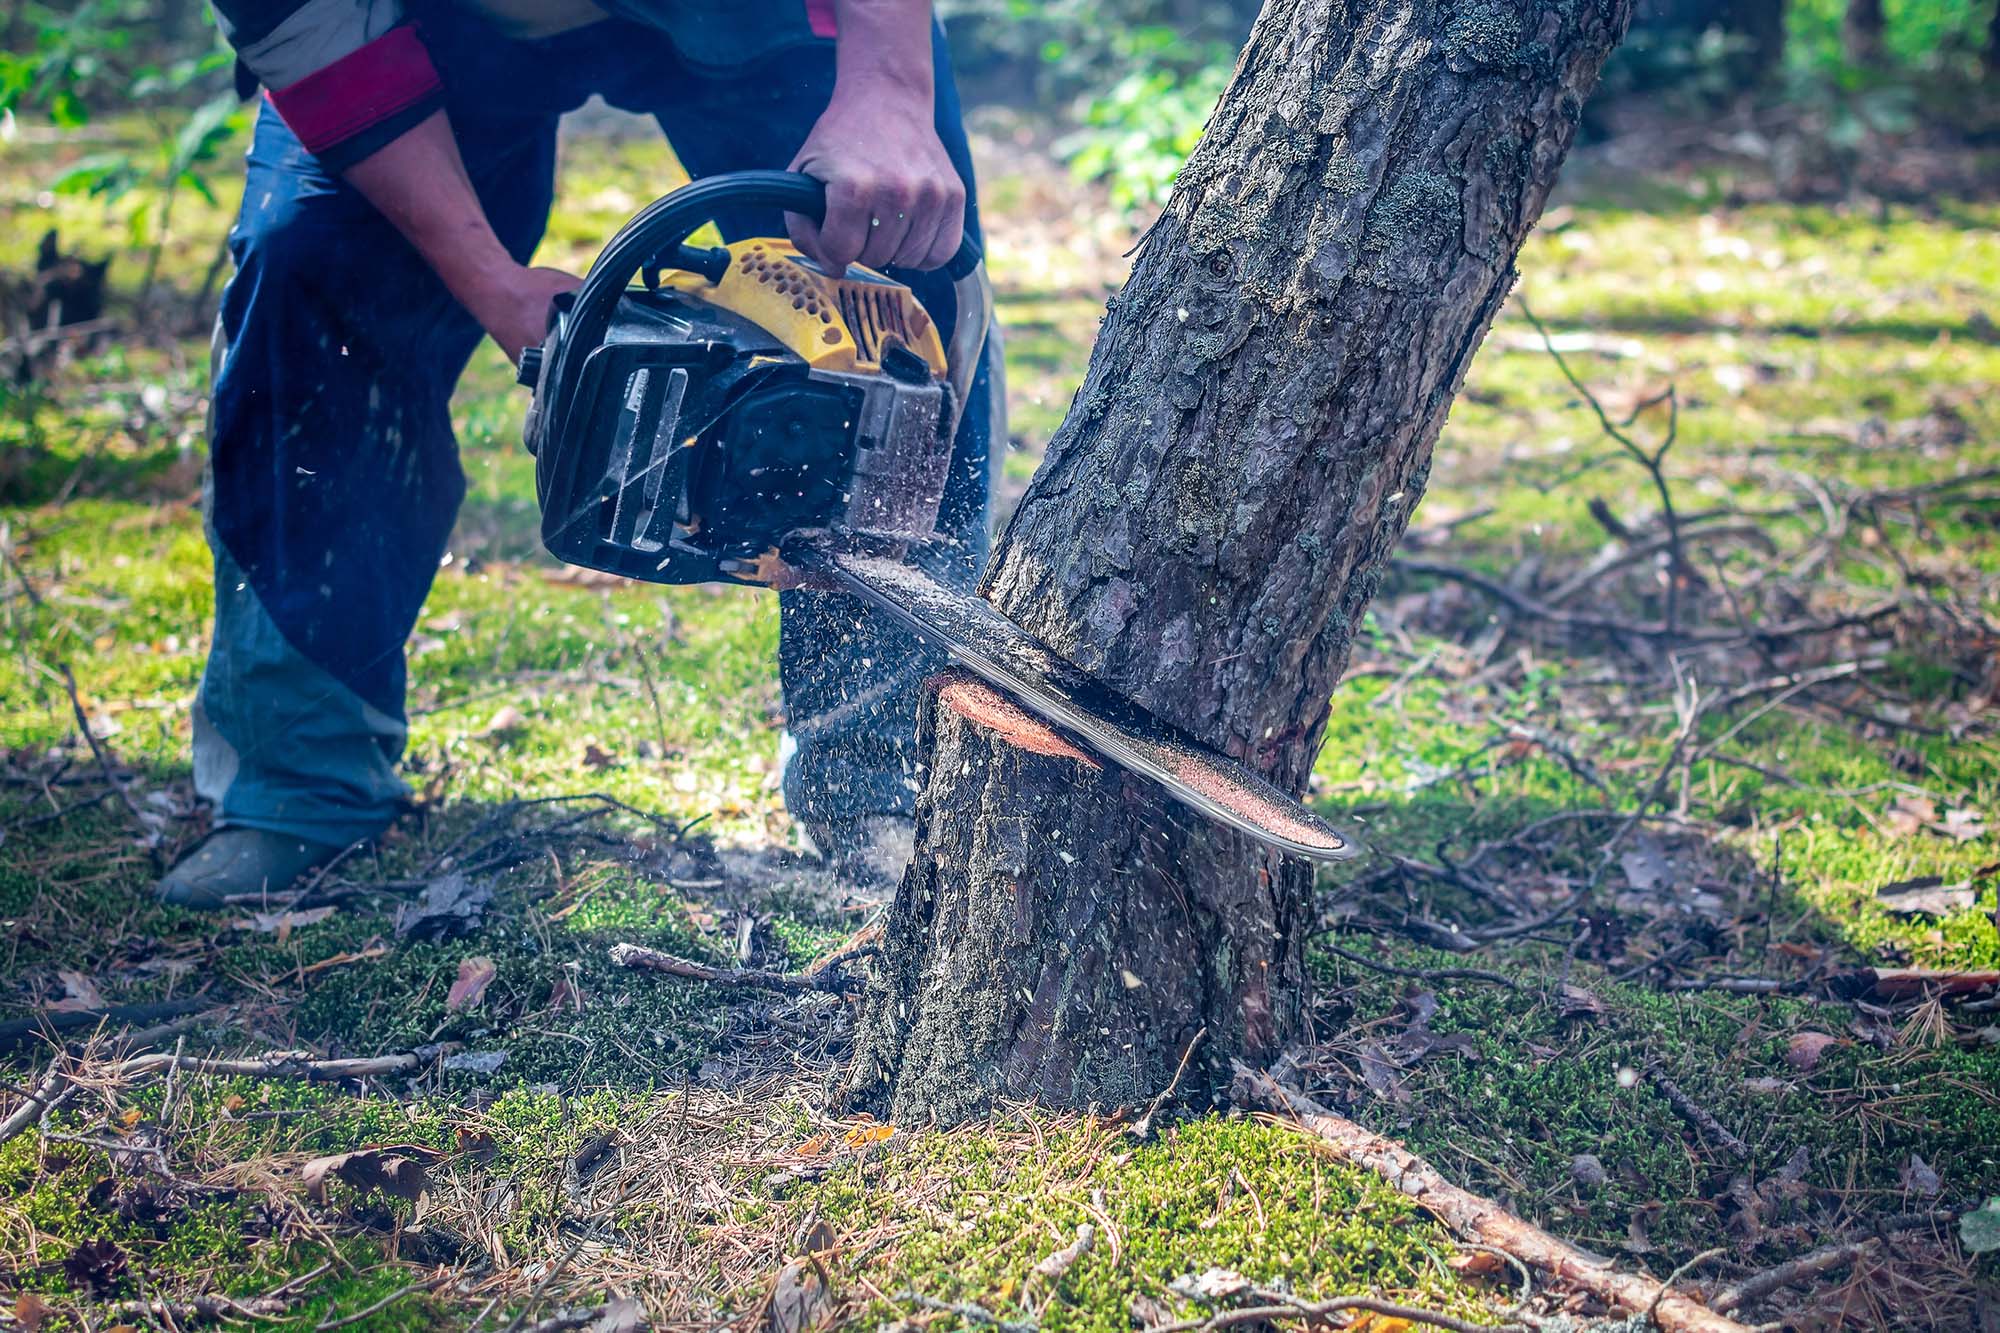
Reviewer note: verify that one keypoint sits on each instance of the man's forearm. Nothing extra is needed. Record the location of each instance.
(885, 44)
(419, 182)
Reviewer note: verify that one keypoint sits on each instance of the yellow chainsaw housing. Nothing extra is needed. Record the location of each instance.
(833, 324)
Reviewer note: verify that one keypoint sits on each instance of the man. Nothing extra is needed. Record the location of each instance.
(400, 177)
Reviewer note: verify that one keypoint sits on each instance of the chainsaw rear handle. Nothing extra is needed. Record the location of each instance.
(659, 229)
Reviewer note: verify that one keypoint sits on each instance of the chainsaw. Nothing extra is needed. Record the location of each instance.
(740, 414)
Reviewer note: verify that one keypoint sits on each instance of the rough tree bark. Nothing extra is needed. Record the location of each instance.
(1208, 527)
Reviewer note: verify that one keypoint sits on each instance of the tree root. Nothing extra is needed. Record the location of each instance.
(1477, 1218)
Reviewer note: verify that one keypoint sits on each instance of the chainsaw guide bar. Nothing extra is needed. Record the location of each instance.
(1000, 652)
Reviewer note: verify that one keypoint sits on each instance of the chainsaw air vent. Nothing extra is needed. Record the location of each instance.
(871, 314)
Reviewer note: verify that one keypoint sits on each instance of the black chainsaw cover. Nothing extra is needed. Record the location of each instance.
(696, 443)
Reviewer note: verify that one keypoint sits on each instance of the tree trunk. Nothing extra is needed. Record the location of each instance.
(1861, 33)
(1209, 525)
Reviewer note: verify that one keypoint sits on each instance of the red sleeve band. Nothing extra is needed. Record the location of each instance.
(819, 13)
(362, 88)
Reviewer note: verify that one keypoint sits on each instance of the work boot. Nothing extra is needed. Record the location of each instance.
(870, 852)
(231, 862)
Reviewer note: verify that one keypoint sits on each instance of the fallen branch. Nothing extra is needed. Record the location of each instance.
(197, 1309)
(1538, 610)
(1699, 1116)
(429, 1284)
(638, 956)
(103, 759)
(1808, 1265)
(1320, 1312)
(47, 1095)
(969, 1311)
(16, 1031)
(1422, 973)
(286, 1064)
(1824, 1259)
(1479, 1219)
(1892, 983)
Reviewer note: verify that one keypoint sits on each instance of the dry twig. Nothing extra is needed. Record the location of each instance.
(1477, 1218)
(830, 982)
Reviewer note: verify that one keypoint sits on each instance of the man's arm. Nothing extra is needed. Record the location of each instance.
(419, 182)
(892, 195)
(352, 79)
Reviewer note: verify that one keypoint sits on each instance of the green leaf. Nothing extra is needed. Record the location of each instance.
(97, 174)
(1979, 1231)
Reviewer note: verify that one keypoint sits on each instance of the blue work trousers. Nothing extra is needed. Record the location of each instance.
(334, 477)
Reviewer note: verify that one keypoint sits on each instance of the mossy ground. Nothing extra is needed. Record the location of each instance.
(1849, 345)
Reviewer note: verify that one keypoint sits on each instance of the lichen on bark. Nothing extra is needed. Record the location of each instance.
(1205, 534)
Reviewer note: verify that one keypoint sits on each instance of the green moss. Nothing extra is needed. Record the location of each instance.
(1544, 1089)
(1209, 1193)
(1483, 34)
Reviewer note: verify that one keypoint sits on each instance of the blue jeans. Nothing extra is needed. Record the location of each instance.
(333, 473)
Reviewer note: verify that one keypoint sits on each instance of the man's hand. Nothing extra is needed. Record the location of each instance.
(892, 195)
(513, 305)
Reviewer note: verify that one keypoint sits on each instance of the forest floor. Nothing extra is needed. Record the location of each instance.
(1709, 805)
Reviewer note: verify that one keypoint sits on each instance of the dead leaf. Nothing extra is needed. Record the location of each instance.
(451, 905)
(621, 1315)
(393, 1168)
(1909, 814)
(1476, 1263)
(30, 1310)
(593, 757)
(1378, 1071)
(281, 924)
(817, 1238)
(1056, 1266)
(80, 993)
(798, 1299)
(507, 721)
(1919, 1177)
(1963, 825)
(1210, 1285)
(1368, 1321)
(1645, 866)
(565, 993)
(1805, 1050)
(816, 1146)
(474, 975)
(863, 1135)
(1574, 1001)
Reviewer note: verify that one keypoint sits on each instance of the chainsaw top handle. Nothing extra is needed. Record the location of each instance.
(653, 238)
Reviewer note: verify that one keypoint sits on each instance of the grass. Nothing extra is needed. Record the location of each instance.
(1848, 346)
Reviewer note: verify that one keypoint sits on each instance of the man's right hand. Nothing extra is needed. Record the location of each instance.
(513, 305)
